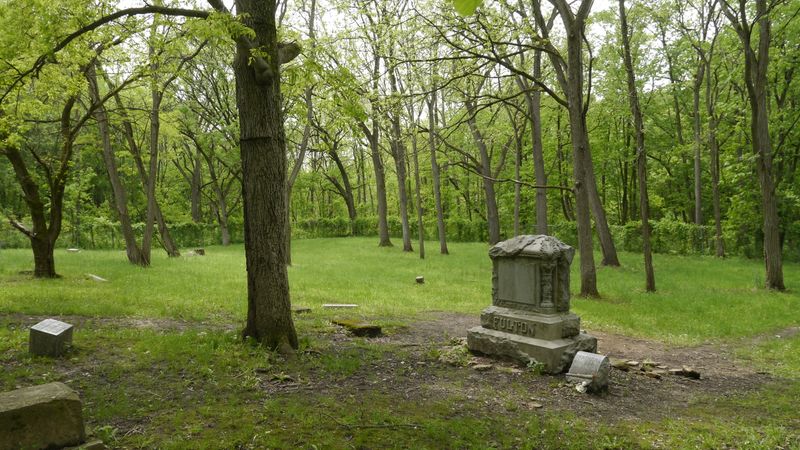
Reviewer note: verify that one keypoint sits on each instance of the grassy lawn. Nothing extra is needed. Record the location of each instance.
(158, 362)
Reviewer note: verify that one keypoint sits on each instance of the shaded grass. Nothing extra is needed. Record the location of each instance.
(698, 298)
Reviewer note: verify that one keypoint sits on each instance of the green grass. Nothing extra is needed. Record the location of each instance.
(194, 384)
(698, 298)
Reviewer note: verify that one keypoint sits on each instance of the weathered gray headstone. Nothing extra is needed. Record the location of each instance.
(529, 320)
(590, 368)
(45, 416)
(50, 337)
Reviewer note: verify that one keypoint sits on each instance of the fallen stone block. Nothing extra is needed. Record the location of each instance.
(359, 328)
(50, 337)
(45, 416)
(420, 280)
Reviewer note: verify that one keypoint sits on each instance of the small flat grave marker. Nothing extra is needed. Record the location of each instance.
(50, 337)
(96, 277)
(420, 280)
(339, 305)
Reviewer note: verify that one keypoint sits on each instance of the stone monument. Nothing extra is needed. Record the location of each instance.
(529, 320)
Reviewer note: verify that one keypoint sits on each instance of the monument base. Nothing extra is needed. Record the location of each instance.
(556, 355)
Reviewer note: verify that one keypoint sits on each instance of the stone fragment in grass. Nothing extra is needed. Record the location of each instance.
(357, 328)
(420, 280)
(44, 416)
(50, 337)
(633, 363)
(339, 305)
(96, 278)
(688, 372)
(73, 250)
(620, 364)
(482, 367)
(301, 310)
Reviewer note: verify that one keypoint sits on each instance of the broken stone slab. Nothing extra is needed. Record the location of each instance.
(686, 371)
(96, 277)
(620, 364)
(339, 305)
(555, 355)
(591, 368)
(357, 328)
(50, 337)
(44, 416)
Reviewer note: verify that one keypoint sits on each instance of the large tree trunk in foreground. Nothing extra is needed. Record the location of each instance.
(263, 153)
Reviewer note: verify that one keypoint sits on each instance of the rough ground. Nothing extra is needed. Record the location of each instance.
(410, 369)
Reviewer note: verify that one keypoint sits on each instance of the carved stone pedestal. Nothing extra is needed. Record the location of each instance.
(529, 320)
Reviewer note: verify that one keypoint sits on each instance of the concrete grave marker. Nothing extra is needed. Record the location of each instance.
(529, 320)
(50, 337)
(592, 369)
(45, 416)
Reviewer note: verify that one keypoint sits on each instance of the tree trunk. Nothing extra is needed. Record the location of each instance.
(197, 181)
(698, 143)
(120, 197)
(435, 175)
(418, 193)
(492, 214)
(399, 156)
(44, 265)
(641, 153)
(713, 146)
(756, 64)
(263, 154)
(533, 101)
(573, 87)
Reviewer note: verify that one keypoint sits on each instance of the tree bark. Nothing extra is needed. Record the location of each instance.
(435, 175)
(418, 191)
(399, 156)
(492, 214)
(641, 152)
(264, 167)
(756, 64)
(698, 143)
(120, 196)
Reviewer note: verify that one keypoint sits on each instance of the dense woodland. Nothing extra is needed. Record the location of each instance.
(150, 127)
